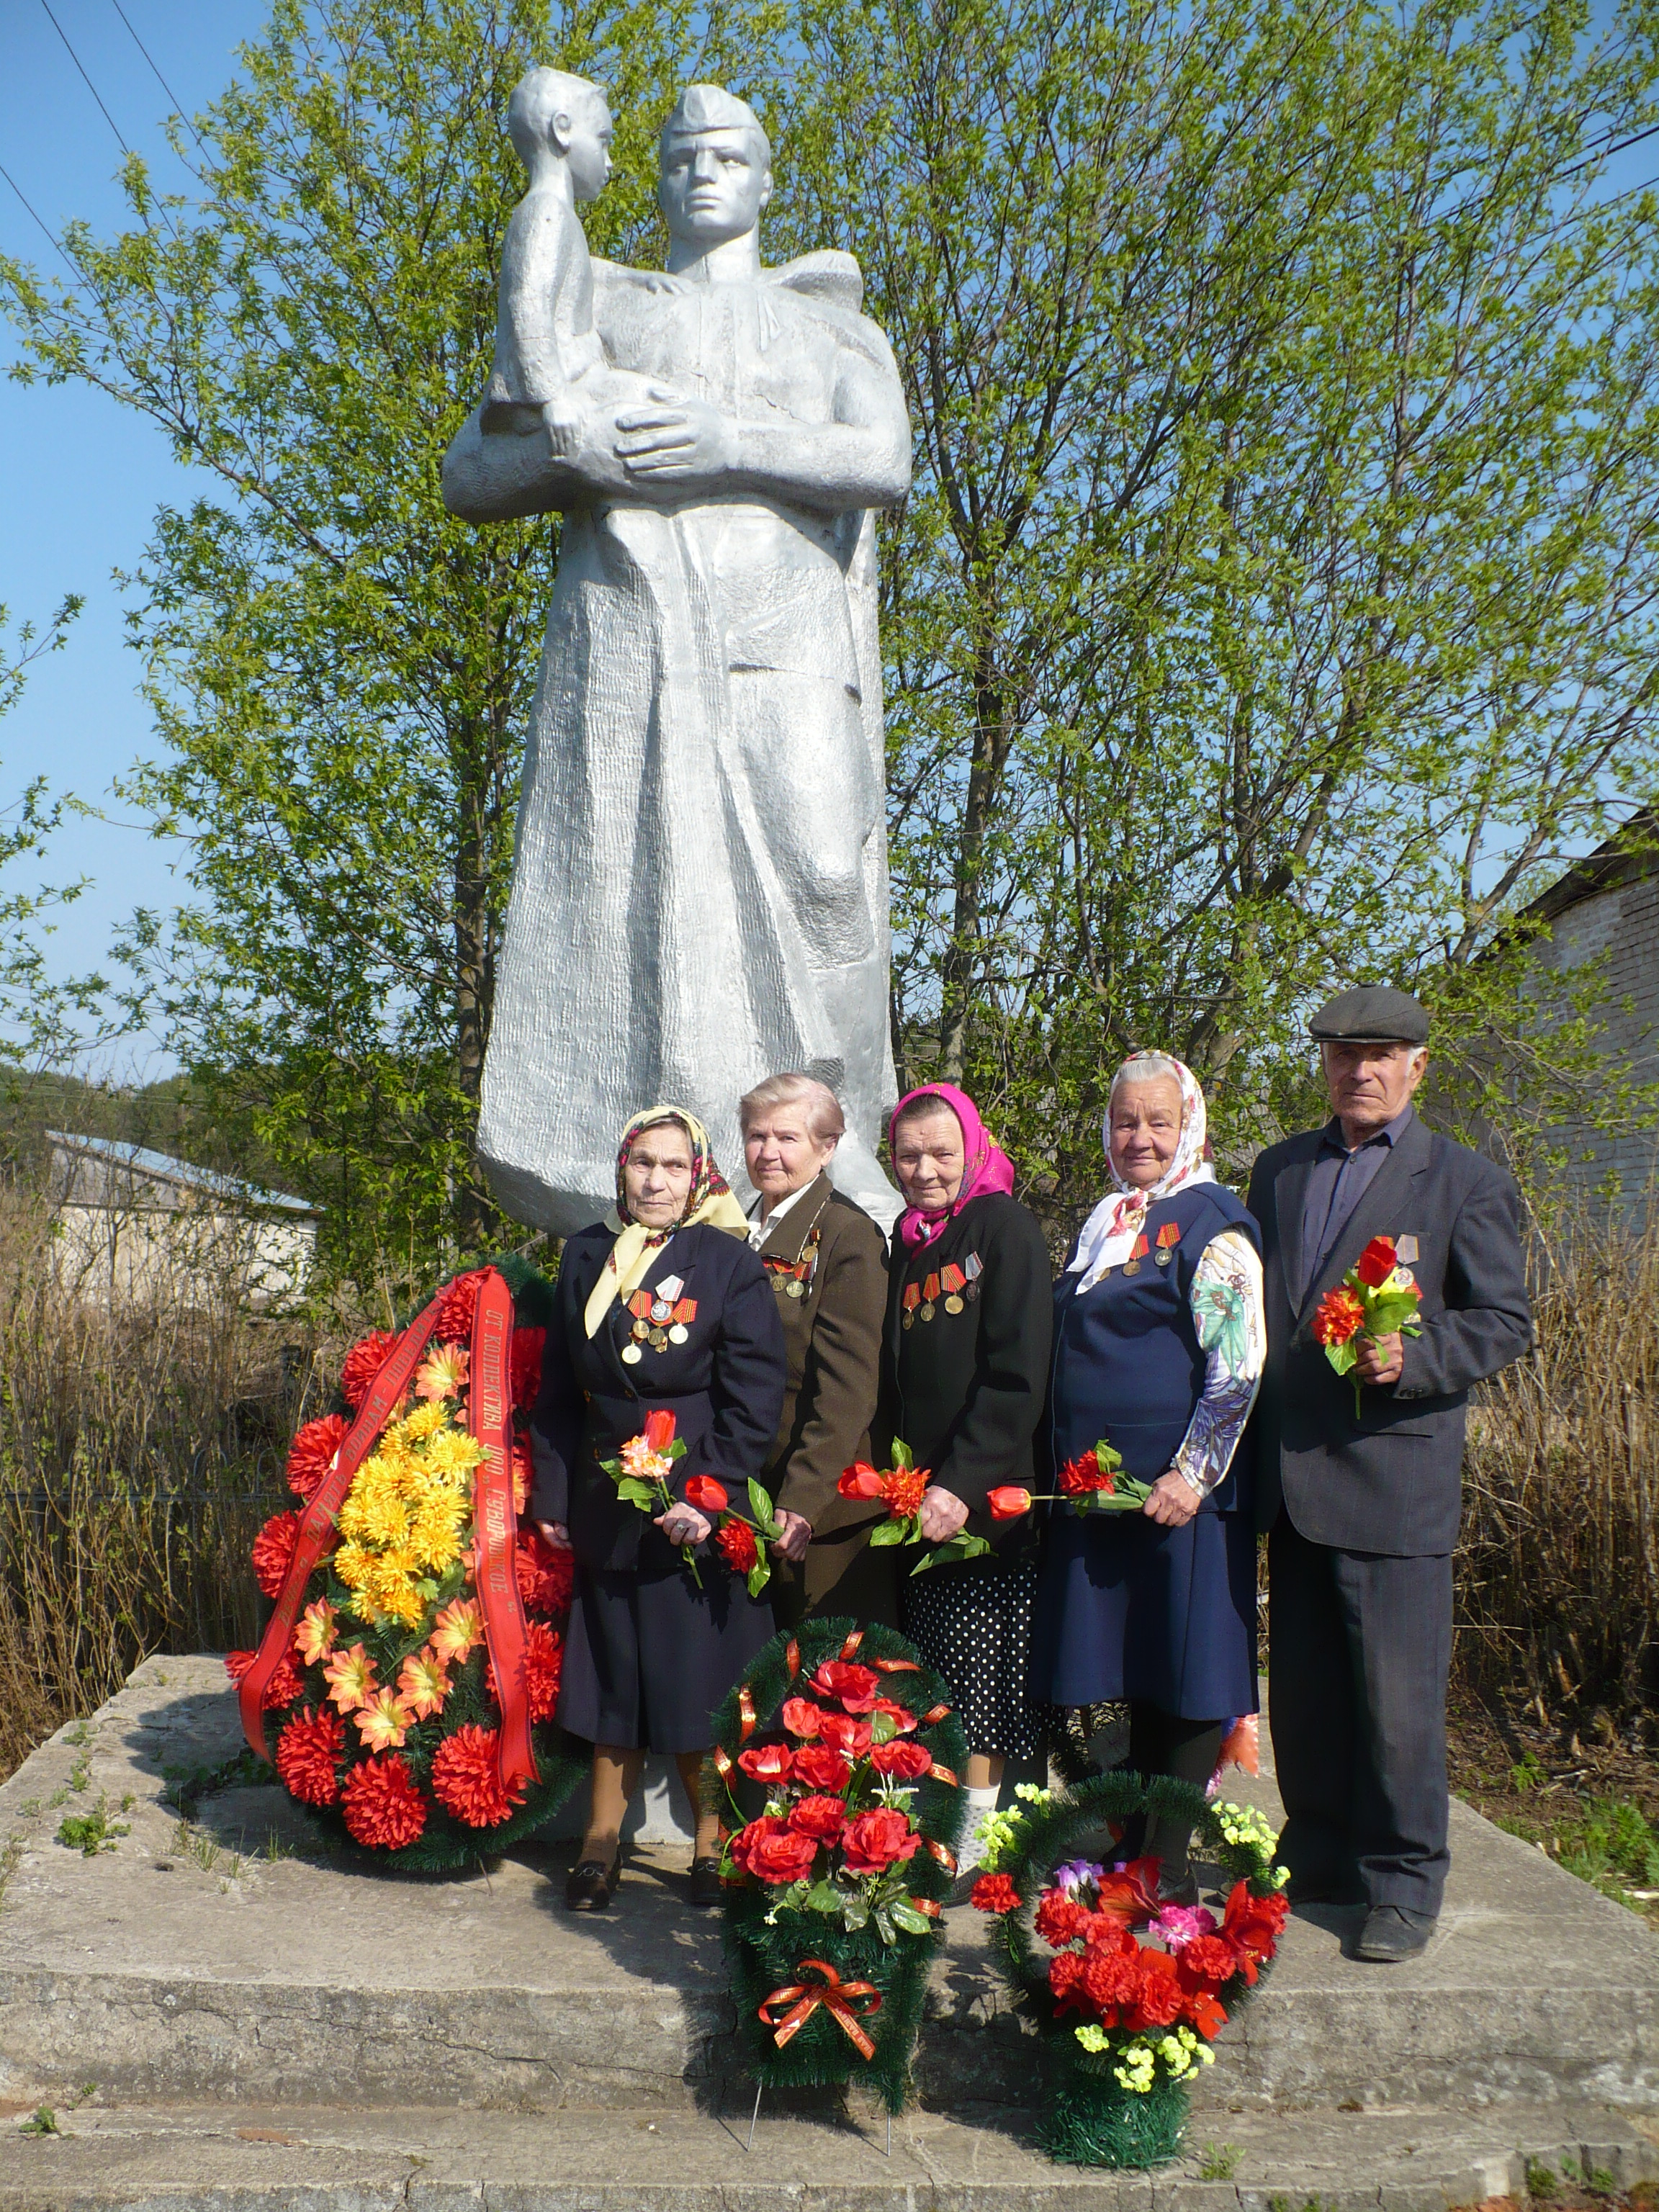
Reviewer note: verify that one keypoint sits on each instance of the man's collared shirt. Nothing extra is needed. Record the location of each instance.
(1339, 1179)
(759, 1231)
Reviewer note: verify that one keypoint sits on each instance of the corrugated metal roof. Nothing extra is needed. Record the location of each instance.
(139, 1159)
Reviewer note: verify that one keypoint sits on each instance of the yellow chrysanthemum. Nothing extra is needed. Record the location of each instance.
(353, 1563)
(424, 1421)
(453, 1453)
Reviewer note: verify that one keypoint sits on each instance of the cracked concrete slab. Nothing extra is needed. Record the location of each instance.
(205, 1961)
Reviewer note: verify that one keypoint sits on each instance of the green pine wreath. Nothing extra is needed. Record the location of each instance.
(1107, 2105)
(768, 1938)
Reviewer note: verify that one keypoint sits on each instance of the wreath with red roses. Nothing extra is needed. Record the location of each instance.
(836, 1769)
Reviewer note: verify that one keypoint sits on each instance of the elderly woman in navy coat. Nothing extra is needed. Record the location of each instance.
(1159, 1344)
(662, 1306)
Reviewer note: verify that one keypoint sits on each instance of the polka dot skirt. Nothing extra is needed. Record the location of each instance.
(973, 1625)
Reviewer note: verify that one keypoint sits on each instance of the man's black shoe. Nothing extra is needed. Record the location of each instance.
(1393, 1932)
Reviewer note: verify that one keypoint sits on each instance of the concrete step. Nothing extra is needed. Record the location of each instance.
(199, 1963)
(305, 2159)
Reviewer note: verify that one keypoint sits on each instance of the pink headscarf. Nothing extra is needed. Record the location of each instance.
(987, 1166)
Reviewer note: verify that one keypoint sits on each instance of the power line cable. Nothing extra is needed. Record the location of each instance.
(85, 79)
(40, 223)
(177, 105)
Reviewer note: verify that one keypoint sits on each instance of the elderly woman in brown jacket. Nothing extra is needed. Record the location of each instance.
(827, 1262)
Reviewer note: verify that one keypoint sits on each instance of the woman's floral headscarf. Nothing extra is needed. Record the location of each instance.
(987, 1167)
(709, 1199)
(1110, 1233)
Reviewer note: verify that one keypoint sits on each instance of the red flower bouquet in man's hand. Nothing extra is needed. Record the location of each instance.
(1376, 1297)
(901, 1488)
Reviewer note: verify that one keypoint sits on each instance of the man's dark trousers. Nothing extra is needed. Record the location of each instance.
(1359, 1647)
(1363, 1506)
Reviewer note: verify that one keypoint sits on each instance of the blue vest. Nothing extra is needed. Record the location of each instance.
(1128, 1365)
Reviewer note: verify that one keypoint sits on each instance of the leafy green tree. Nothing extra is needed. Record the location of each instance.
(1273, 607)
(340, 672)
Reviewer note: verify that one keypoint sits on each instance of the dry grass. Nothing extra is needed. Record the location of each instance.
(1558, 1571)
(139, 1452)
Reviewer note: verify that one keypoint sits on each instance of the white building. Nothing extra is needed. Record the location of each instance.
(133, 1227)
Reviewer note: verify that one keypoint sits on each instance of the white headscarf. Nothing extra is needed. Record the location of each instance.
(1110, 1233)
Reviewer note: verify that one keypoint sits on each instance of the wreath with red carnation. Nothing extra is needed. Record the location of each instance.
(382, 1712)
(837, 1767)
(1127, 1989)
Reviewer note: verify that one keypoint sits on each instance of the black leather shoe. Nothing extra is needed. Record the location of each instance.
(591, 1884)
(707, 1887)
(1392, 1932)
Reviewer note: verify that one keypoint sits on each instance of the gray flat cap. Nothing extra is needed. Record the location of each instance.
(1372, 1015)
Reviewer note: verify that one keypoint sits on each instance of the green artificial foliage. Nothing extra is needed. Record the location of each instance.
(1089, 2119)
(764, 1957)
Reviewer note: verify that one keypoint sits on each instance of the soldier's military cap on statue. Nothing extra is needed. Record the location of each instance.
(1372, 1015)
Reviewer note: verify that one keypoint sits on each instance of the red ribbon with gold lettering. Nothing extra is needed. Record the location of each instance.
(838, 1998)
(495, 1523)
(317, 1520)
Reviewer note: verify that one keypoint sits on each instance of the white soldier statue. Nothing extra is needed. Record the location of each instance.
(700, 889)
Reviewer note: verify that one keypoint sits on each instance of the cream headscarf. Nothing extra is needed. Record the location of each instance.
(709, 1199)
(1110, 1233)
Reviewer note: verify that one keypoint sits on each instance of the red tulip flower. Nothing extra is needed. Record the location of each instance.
(658, 1430)
(702, 1490)
(1008, 1501)
(861, 1480)
(1377, 1262)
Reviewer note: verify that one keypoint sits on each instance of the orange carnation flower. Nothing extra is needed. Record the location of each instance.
(1340, 1316)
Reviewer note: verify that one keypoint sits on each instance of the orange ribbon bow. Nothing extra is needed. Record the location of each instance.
(800, 2000)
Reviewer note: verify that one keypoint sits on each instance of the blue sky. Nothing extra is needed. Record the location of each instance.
(79, 479)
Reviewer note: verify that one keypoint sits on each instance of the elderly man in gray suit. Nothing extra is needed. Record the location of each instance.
(1364, 1510)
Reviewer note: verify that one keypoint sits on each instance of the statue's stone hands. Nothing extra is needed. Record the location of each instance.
(680, 442)
(566, 424)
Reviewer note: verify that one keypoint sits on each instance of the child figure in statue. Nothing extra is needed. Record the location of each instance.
(545, 342)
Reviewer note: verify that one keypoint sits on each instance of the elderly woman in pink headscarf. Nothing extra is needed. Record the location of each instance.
(964, 1370)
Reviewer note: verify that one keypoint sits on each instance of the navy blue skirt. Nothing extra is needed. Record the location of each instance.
(648, 1658)
(1127, 1609)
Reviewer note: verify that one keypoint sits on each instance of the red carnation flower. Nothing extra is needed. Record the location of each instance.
(802, 1717)
(876, 1840)
(545, 1576)
(771, 1851)
(466, 1780)
(1338, 1317)
(1160, 2000)
(525, 1358)
(1008, 1501)
(1065, 1980)
(1111, 1978)
(312, 1453)
(819, 1767)
(1206, 1960)
(767, 1762)
(1080, 1475)
(1059, 1919)
(457, 1304)
(544, 1665)
(844, 1734)
(283, 1688)
(821, 1817)
(737, 1541)
(902, 1761)
(995, 1893)
(1376, 1262)
(308, 1754)
(273, 1548)
(363, 1363)
(856, 1687)
(383, 1805)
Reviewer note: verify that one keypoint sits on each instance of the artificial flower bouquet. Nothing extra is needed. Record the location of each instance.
(641, 1473)
(1128, 1992)
(404, 1687)
(1376, 1297)
(900, 1489)
(1094, 1482)
(836, 1762)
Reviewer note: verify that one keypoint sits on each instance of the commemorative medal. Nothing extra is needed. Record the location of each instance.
(911, 1300)
(632, 1354)
(952, 1281)
(795, 1288)
(660, 1340)
(1168, 1237)
(929, 1296)
(678, 1333)
(972, 1268)
(660, 1309)
(1131, 1265)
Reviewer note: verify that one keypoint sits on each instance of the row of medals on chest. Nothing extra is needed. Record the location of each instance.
(952, 1287)
(1168, 1237)
(660, 1318)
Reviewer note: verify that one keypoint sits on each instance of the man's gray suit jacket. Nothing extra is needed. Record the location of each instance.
(1392, 1480)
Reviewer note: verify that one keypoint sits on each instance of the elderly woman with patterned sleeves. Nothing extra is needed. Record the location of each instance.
(1159, 1345)
(662, 1308)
